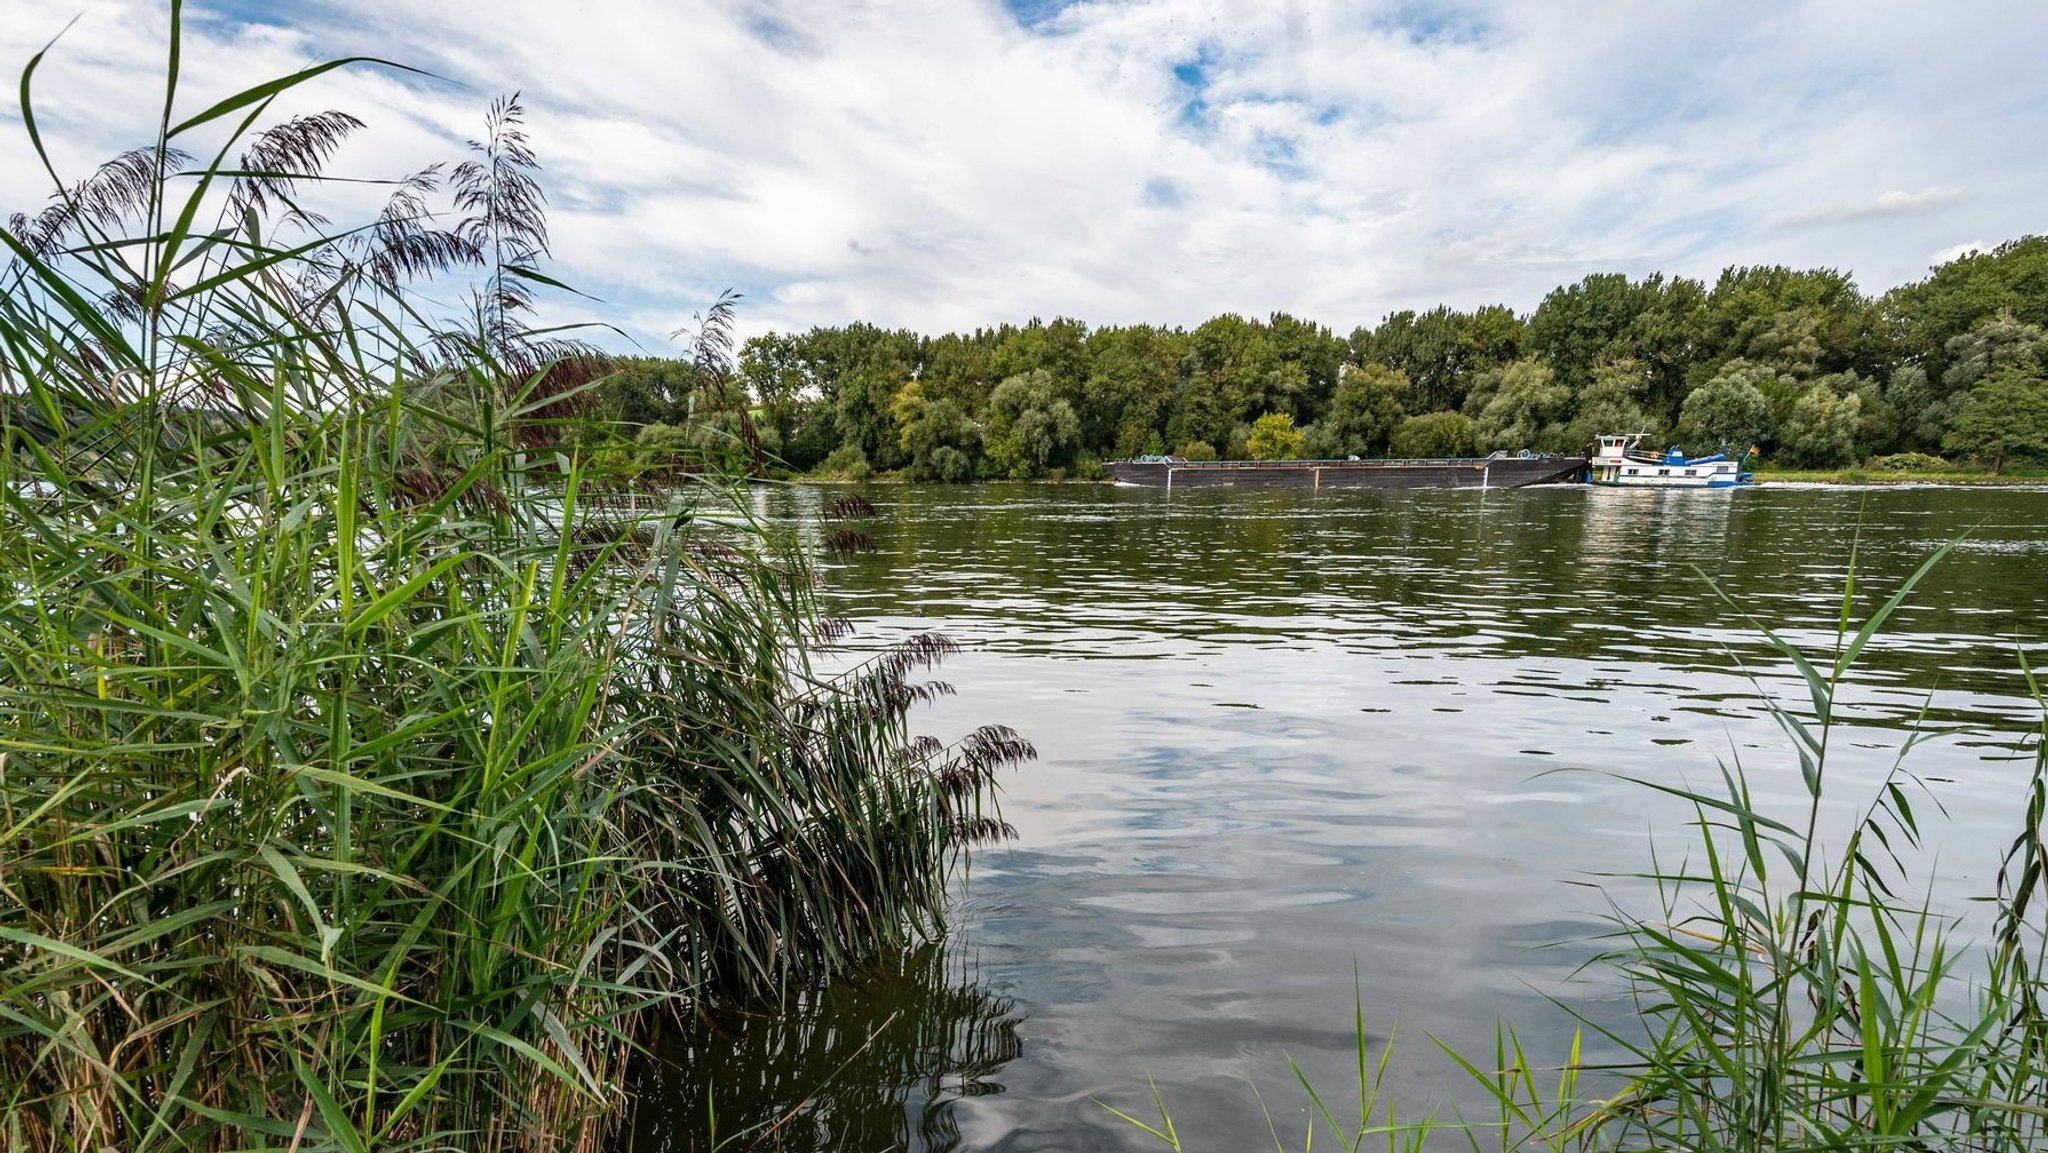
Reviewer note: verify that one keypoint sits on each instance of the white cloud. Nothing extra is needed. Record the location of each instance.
(939, 165)
(1957, 252)
(1892, 203)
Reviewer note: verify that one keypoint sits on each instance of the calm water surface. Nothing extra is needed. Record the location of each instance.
(1285, 735)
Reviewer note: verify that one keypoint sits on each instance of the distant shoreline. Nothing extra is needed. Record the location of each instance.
(1975, 478)
(1872, 476)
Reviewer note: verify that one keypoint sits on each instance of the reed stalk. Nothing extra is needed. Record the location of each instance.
(365, 780)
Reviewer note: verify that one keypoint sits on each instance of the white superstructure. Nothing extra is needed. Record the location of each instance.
(1617, 462)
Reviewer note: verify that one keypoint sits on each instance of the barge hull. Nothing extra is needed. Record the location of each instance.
(1499, 472)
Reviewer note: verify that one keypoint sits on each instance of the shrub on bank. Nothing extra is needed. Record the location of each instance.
(1908, 462)
(847, 462)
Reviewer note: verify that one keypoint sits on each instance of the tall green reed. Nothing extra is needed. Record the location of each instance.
(1788, 996)
(364, 780)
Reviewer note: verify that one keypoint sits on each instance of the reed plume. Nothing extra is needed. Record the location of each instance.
(363, 782)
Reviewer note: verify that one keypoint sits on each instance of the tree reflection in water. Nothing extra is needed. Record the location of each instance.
(872, 1062)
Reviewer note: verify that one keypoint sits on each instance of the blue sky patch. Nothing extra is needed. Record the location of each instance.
(1649, 111)
(1277, 154)
(1036, 14)
(778, 34)
(1193, 77)
(230, 12)
(1433, 25)
(1163, 193)
(1693, 233)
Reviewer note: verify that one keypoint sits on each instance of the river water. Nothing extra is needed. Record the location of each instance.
(1289, 738)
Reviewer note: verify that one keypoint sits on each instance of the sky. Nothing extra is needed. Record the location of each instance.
(951, 164)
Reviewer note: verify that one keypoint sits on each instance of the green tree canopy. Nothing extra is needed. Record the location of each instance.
(1922, 410)
(1821, 431)
(1274, 437)
(1524, 410)
(1728, 412)
(1576, 323)
(1629, 354)
(1433, 434)
(1796, 321)
(643, 390)
(1611, 405)
(936, 435)
(1964, 293)
(2004, 416)
(1369, 402)
(1877, 422)
(1998, 343)
(1665, 337)
(1790, 343)
(959, 368)
(1311, 350)
(1058, 348)
(1135, 372)
(1439, 350)
(1030, 429)
(1237, 371)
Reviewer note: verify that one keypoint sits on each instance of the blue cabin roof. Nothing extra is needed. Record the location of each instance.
(1675, 458)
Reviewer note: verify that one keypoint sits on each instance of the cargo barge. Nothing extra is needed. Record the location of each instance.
(1498, 471)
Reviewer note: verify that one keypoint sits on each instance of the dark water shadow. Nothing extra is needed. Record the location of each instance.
(872, 1062)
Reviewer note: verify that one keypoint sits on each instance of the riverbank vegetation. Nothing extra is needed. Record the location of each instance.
(372, 772)
(1797, 983)
(1798, 362)
(1911, 468)
(1877, 471)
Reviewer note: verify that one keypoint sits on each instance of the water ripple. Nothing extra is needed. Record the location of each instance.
(1284, 734)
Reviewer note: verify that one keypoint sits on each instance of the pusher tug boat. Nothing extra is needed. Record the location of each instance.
(1619, 463)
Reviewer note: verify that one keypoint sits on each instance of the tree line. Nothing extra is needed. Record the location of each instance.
(1798, 363)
